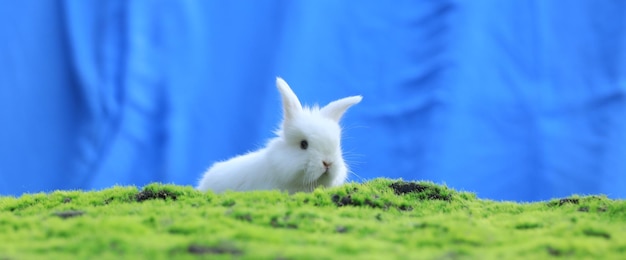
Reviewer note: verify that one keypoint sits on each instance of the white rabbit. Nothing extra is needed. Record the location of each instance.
(305, 154)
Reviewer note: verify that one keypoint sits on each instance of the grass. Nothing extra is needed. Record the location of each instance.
(380, 219)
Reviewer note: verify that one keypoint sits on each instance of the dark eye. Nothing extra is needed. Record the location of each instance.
(304, 144)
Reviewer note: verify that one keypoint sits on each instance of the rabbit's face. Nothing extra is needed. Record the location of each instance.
(311, 139)
(314, 143)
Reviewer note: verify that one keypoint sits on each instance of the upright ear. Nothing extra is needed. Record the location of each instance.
(291, 104)
(334, 110)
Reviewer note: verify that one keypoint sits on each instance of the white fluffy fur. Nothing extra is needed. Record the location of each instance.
(282, 164)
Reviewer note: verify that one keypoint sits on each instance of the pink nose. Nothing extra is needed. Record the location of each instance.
(326, 164)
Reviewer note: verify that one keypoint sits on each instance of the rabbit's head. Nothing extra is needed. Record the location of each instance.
(308, 148)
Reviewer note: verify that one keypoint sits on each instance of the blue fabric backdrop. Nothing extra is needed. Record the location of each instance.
(514, 100)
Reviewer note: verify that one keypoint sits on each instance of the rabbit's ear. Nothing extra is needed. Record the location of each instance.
(291, 104)
(334, 110)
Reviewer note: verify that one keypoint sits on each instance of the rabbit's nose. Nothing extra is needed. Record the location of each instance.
(327, 164)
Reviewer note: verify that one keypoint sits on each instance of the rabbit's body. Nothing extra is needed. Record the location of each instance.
(305, 154)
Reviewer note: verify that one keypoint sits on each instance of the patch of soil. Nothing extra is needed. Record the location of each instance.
(343, 201)
(557, 252)
(596, 233)
(341, 229)
(401, 188)
(569, 200)
(431, 192)
(244, 217)
(405, 208)
(282, 223)
(347, 200)
(564, 201)
(524, 226)
(69, 214)
(214, 250)
(584, 209)
(150, 195)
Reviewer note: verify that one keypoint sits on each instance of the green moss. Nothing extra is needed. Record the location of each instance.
(379, 219)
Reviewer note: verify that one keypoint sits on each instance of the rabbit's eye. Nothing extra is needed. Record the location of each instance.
(304, 144)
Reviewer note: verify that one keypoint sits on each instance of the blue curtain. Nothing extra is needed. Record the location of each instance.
(513, 100)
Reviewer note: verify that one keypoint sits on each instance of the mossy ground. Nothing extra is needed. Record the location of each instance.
(379, 219)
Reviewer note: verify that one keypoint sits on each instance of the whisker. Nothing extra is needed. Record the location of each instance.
(308, 183)
(349, 163)
(305, 184)
(353, 157)
(361, 179)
